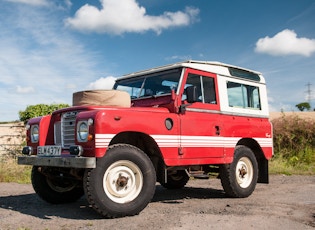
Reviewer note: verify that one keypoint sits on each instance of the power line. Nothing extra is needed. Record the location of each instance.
(309, 93)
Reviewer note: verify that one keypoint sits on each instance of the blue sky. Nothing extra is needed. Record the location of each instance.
(52, 48)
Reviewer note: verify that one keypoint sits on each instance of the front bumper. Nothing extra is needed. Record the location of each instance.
(65, 162)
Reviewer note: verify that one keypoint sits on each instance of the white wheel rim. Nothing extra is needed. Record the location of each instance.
(123, 181)
(244, 172)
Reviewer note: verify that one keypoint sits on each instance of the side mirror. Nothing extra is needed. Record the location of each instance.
(191, 93)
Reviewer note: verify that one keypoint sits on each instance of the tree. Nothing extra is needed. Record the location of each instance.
(39, 110)
(303, 105)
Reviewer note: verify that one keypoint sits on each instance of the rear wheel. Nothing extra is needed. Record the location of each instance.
(55, 190)
(123, 182)
(240, 177)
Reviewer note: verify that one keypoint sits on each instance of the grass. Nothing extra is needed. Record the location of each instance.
(294, 145)
(282, 166)
(10, 171)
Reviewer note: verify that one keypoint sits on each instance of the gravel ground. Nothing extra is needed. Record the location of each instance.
(288, 202)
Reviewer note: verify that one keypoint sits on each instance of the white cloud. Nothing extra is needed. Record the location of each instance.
(284, 43)
(31, 2)
(24, 90)
(40, 62)
(122, 16)
(103, 83)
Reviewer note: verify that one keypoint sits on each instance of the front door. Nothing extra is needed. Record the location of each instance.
(201, 138)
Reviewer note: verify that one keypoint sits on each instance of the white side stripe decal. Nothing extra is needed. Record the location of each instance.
(103, 140)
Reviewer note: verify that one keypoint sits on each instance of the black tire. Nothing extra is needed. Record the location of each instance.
(176, 180)
(123, 182)
(56, 191)
(239, 178)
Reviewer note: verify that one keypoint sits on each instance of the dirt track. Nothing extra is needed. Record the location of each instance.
(288, 202)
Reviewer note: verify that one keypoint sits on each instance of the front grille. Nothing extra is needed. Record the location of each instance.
(57, 133)
(68, 129)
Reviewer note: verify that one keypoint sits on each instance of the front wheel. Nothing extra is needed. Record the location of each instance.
(240, 177)
(55, 189)
(123, 182)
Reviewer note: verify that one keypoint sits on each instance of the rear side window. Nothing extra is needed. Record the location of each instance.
(243, 96)
(244, 74)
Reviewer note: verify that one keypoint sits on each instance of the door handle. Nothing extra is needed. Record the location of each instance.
(217, 130)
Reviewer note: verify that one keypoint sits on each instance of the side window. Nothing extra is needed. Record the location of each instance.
(244, 96)
(255, 103)
(205, 88)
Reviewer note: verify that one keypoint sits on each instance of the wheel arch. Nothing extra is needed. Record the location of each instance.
(144, 142)
(263, 171)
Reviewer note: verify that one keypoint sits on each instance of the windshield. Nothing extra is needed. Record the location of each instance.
(154, 84)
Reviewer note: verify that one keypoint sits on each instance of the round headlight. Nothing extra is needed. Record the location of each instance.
(83, 131)
(34, 133)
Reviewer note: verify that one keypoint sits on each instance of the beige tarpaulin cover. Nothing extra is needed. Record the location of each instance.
(101, 97)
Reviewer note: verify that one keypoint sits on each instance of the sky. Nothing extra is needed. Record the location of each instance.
(50, 49)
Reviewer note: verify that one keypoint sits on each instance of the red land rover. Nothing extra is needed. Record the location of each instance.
(165, 125)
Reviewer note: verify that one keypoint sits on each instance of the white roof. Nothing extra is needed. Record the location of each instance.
(209, 66)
